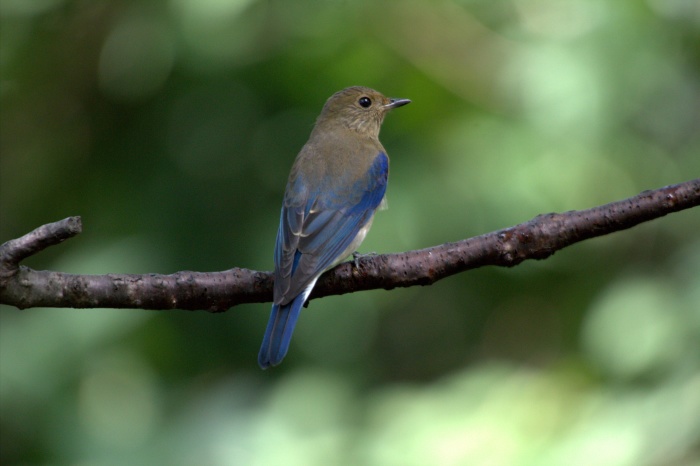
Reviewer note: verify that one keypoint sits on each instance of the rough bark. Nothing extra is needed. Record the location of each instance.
(538, 238)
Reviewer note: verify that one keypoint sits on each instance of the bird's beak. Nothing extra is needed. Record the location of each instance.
(393, 103)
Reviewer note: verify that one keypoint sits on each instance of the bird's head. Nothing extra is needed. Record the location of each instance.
(359, 108)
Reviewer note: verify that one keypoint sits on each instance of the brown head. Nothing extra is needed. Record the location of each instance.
(358, 108)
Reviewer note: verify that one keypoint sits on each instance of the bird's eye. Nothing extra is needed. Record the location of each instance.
(365, 102)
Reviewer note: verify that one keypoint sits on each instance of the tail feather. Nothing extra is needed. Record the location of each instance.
(279, 332)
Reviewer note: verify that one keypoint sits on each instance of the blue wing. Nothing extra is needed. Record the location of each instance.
(313, 235)
(316, 228)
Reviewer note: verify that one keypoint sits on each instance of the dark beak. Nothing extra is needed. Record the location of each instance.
(393, 103)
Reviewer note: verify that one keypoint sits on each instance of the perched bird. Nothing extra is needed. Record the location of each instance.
(337, 182)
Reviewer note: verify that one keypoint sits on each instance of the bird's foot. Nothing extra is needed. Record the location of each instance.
(356, 256)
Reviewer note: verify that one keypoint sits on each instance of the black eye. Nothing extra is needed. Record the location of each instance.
(365, 102)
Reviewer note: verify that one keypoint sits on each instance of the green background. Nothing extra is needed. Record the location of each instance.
(170, 127)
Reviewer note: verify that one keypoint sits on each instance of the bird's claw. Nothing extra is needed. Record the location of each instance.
(356, 256)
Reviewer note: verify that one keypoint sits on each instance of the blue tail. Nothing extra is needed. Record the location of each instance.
(279, 332)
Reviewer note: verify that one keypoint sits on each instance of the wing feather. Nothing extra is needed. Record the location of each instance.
(315, 231)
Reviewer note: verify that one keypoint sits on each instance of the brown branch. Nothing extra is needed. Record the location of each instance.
(217, 291)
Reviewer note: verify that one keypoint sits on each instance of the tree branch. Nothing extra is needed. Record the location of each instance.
(218, 291)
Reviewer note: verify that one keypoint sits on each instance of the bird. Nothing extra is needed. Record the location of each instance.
(337, 182)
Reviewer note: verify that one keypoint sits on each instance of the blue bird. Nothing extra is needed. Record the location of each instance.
(337, 182)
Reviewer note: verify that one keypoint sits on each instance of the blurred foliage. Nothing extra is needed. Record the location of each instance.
(170, 127)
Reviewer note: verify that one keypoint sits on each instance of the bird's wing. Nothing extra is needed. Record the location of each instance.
(316, 230)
